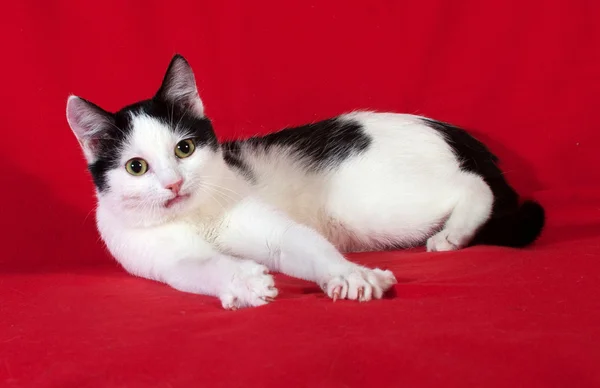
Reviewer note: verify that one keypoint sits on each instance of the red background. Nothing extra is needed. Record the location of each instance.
(523, 75)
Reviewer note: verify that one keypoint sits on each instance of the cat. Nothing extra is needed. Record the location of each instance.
(177, 206)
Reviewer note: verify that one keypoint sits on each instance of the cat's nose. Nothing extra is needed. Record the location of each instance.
(175, 186)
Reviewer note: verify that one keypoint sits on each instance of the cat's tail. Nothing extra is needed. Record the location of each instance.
(516, 229)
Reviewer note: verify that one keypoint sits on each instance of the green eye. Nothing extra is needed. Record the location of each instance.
(136, 166)
(184, 148)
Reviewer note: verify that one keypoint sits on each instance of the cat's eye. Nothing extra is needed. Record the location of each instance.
(136, 166)
(184, 148)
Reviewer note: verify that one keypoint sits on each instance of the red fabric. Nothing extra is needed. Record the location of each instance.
(522, 74)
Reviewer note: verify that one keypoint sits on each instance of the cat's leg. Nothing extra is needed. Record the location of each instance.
(472, 210)
(176, 255)
(256, 231)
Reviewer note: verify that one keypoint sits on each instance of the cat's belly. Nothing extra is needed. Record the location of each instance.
(371, 221)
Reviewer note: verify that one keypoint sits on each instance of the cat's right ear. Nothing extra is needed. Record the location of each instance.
(89, 123)
(179, 87)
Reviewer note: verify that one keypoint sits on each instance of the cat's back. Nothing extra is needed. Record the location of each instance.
(324, 145)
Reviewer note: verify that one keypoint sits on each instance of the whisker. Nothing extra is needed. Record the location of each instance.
(215, 186)
(224, 195)
(172, 114)
(181, 118)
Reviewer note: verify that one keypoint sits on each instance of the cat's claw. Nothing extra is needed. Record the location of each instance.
(358, 283)
(336, 293)
(251, 286)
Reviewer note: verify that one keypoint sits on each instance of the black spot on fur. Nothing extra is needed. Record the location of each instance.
(110, 142)
(511, 224)
(98, 170)
(321, 145)
(233, 157)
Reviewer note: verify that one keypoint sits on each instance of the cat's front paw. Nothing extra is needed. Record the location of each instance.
(251, 285)
(358, 283)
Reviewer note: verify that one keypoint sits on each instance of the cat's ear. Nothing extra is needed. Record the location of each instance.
(179, 86)
(89, 123)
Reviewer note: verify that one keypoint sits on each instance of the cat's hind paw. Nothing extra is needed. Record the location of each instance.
(251, 286)
(442, 242)
(362, 284)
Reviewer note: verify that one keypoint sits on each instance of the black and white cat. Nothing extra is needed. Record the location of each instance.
(176, 206)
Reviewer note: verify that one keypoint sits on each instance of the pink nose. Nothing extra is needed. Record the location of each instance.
(175, 186)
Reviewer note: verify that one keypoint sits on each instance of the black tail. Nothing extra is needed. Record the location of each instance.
(516, 229)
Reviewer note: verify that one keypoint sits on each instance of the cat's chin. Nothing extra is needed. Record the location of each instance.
(176, 201)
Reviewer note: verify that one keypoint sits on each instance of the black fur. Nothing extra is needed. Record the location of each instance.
(320, 145)
(109, 143)
(511, 223)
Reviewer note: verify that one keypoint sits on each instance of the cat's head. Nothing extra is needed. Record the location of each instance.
(149, 159)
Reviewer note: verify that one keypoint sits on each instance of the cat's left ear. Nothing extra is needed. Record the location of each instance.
(89, 123)
(179, 87)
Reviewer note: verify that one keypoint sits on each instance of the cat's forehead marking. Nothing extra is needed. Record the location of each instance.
(150, 134)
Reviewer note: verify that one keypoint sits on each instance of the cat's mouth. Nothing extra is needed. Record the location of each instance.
(176, 199)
